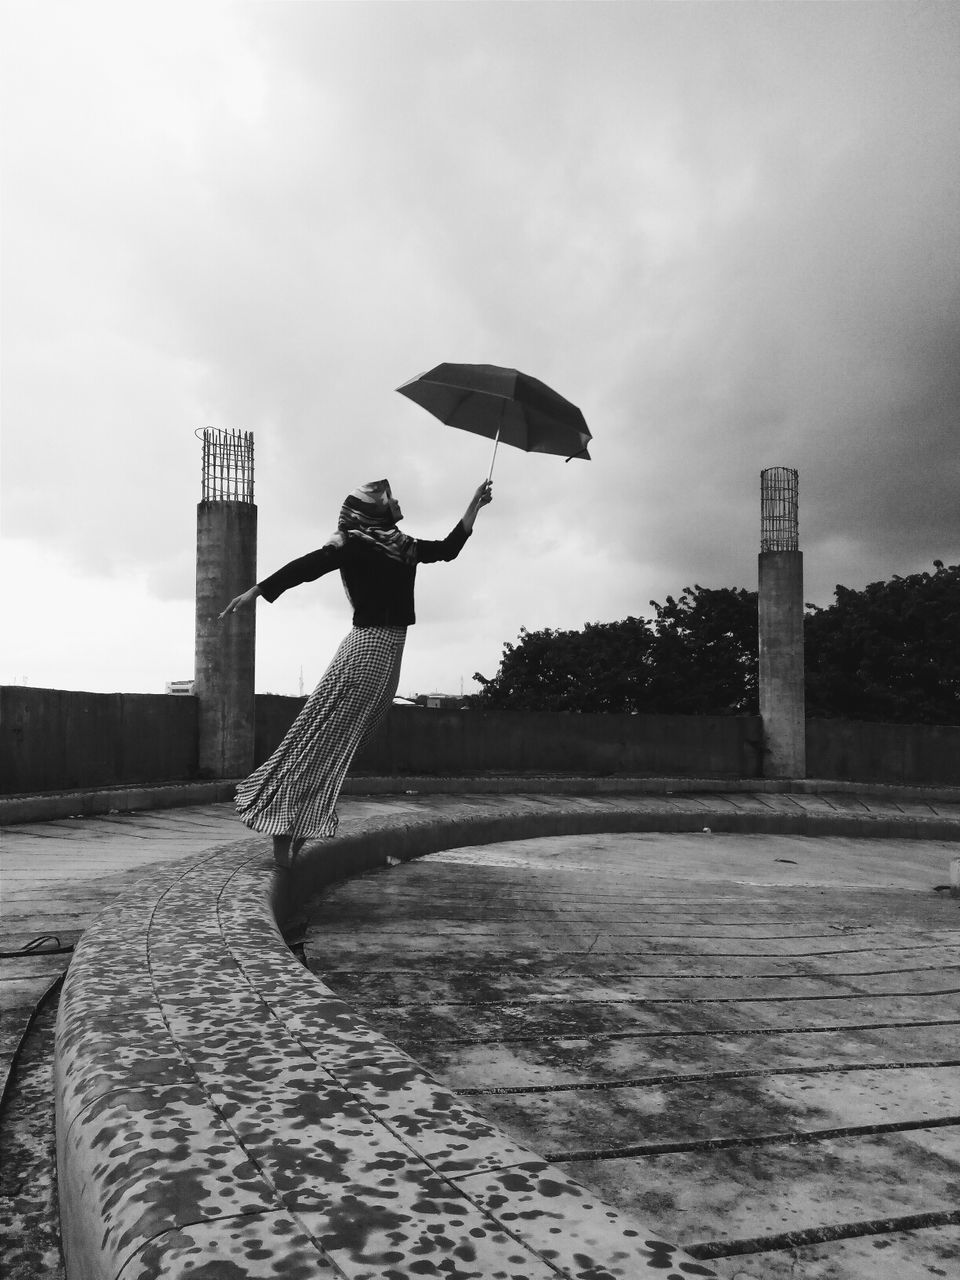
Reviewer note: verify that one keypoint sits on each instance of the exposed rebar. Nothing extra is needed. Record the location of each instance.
(227, 465)
(779, 522)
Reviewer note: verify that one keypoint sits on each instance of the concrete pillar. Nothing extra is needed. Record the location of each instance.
(781, 664)
(225, 651)
(781, 628)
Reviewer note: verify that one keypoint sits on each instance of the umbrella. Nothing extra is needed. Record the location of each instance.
(502, 404)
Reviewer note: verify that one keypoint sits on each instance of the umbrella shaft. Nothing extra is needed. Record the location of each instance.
(496, 443)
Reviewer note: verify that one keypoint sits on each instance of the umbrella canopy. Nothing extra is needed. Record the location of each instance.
(502, 404)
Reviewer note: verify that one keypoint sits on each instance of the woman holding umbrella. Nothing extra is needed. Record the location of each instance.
(293, 795)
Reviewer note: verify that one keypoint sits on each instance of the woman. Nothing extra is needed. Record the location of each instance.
(293, 795)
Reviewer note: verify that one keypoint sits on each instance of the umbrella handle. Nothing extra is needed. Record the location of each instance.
(494, 458)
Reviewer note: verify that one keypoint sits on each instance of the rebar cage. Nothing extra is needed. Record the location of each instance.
(779, 520)
(227, 465)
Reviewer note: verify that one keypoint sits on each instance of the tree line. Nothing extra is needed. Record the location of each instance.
(890, 652)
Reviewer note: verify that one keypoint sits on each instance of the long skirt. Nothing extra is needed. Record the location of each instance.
(296, 790)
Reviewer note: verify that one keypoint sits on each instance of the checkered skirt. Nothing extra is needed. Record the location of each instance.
(296, 790)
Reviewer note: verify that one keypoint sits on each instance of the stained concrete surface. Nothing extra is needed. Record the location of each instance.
(753, 1041)
(58, 875)
(29, 1227)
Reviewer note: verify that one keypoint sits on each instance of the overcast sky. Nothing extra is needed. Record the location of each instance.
(728, 232)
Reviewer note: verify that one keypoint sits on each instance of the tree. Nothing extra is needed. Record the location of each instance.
(601, 668)
(890, 652)
(705, 655)
(697, 656)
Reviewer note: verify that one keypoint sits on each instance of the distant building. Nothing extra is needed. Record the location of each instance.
(441, 701)
(182, 687)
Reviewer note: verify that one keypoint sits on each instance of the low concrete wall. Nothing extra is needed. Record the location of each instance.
(417, 740)
(274, 716)
(55, 740)
(51, 739)
(860, 751)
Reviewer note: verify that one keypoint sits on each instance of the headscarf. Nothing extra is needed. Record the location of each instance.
(366, 517)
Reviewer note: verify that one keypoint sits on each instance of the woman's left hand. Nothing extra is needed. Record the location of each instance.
(483, 495)
(480, 499)
(238, 602)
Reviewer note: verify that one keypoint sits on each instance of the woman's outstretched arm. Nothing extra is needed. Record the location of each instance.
(238, 602)
(305, 569)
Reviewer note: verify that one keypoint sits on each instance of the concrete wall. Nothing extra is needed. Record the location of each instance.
(418, 740)
(275, 715)
(55, 740)
(860, 751)
(52, 739)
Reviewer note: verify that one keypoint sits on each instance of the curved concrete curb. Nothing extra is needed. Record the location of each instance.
(222, 1114)
(48, 806)
(533, 816)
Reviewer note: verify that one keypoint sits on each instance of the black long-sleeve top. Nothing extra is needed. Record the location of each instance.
(380, 588)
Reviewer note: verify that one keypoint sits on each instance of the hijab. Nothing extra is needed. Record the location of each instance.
(366, 517)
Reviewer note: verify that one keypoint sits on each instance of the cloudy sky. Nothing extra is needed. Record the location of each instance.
(728, 232)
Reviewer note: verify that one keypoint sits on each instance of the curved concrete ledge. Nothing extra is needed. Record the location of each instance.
(223, 1114)
(47, 806)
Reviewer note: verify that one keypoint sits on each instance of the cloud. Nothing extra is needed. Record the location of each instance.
(726, 231)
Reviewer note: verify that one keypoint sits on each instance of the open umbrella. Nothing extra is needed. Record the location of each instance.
(502, 404)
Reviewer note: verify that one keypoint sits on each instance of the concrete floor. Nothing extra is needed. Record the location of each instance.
(717, 1005)
(752, 1041)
